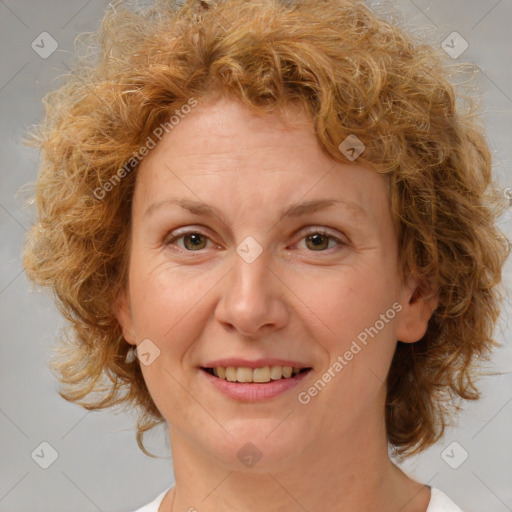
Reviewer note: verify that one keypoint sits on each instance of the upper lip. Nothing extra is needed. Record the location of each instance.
(258, 363)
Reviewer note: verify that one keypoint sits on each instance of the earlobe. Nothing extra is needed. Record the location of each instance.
(123, 314)
(417, 309)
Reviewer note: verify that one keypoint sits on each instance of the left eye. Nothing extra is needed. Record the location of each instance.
(320, 240)
(317, 240)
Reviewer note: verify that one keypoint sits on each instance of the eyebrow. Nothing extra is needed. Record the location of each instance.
(293, 211)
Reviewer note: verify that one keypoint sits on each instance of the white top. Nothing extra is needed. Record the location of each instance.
(439, 502)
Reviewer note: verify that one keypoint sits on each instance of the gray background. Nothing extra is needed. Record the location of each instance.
(99, 466)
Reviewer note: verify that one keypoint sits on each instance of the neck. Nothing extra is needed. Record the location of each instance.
(340, 473)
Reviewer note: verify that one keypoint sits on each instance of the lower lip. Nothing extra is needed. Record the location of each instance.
(253, 392)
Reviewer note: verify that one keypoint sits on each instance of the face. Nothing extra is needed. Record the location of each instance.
(240, 276)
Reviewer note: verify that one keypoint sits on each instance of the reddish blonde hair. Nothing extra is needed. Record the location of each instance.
(355, 74)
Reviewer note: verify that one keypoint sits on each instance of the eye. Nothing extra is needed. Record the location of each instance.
(318, 240)
(192, 240)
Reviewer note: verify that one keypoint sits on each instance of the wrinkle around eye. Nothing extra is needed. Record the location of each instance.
(171, 241)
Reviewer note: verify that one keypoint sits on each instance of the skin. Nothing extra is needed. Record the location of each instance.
(295, 301)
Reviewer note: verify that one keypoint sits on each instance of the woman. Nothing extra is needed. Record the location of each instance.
(348, 264)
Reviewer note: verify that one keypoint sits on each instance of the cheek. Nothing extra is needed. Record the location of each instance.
(348, 300)
(168, 310)
(168, 304)
(162, 297)
(357, 310)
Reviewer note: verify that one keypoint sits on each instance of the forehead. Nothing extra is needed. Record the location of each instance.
(223, 150)
(226, 127)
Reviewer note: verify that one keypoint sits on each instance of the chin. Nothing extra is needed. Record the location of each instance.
(258, 445)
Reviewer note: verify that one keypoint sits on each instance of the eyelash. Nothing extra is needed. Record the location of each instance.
(171, 240)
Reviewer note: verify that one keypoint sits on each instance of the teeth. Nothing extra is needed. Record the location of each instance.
(231, 374)
(287, 371)
(244, 374)
(276, 372)
(264, 374)
(261, 374)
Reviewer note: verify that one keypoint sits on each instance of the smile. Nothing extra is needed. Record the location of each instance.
(254, 375)
(246, 384)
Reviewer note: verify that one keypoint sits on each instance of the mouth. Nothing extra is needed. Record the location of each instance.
(261, 375)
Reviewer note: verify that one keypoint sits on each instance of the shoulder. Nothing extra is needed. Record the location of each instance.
(439, 502)
(154, 504)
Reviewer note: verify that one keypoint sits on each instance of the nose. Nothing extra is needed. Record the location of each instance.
(253, 300)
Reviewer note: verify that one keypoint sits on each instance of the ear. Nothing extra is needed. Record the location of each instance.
(123, 314)
(418, 305)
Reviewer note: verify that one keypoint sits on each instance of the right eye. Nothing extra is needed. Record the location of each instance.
(192, 241)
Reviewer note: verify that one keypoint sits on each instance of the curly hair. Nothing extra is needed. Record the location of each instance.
(355, 73)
